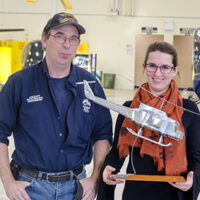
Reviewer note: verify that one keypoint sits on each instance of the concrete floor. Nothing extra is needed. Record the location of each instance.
(116, 96)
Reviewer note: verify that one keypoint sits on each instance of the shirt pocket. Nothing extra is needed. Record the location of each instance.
(88, 123)
(80, 124)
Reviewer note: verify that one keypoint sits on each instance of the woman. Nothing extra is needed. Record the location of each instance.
(182, 158)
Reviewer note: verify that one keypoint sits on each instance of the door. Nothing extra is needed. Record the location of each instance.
(184, 46)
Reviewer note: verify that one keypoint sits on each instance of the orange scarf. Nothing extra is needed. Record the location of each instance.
(172, 160)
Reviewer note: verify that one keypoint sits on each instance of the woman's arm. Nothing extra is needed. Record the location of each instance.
(191, 124)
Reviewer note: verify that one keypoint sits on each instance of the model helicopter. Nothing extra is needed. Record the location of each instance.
(145, 116)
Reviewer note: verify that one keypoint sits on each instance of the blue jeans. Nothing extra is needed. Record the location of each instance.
(42, 190)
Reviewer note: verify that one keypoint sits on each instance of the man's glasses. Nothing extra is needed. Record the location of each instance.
(165, 69)
(74, 40)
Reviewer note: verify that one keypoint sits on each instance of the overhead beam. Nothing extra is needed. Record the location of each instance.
(11, 29)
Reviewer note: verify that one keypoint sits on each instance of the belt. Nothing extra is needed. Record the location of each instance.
(61, 177)
(52, 177)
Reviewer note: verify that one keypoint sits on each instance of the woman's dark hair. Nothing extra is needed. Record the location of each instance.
(163, 47)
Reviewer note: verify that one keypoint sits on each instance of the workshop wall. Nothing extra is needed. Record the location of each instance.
(110, 34)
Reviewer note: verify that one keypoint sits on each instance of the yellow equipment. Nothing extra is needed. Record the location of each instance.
(31, 1)
(82, 56)
(10, 58)
(66, 4)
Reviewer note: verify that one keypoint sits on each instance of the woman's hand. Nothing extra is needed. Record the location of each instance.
(184, 186)
(108, 171)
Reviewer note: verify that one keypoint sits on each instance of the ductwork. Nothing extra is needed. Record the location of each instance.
(122, 7)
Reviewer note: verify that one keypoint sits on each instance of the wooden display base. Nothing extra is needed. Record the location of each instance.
(135, 177)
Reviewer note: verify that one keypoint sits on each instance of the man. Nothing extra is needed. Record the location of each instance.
(54, 125)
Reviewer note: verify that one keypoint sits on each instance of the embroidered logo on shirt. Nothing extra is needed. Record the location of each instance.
(86, 105)
(34, 98)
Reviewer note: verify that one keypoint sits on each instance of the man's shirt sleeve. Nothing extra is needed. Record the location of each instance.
(103, 126)
(8, 110)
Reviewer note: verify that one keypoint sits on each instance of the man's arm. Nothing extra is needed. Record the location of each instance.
(5, 172)
(101, 149)
(14, 189)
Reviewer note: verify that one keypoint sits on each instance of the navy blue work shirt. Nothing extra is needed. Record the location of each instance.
(28, 110)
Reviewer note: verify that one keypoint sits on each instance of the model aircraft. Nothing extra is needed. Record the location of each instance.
(145, 116)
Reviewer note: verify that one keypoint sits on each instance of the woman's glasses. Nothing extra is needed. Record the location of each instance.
(165, 69)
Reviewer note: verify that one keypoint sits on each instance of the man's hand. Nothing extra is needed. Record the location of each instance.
(15, 190)
(184, 186)
(90, 184)
(89, 188)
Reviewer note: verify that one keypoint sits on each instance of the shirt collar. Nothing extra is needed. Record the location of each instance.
(72, 78)
(46, 71)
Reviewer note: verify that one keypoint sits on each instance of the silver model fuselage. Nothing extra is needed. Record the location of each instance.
(145, 116)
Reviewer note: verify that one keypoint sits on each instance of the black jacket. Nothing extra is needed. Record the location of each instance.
(141, 190)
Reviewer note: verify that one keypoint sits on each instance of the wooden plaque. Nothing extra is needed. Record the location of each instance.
(135, 177)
